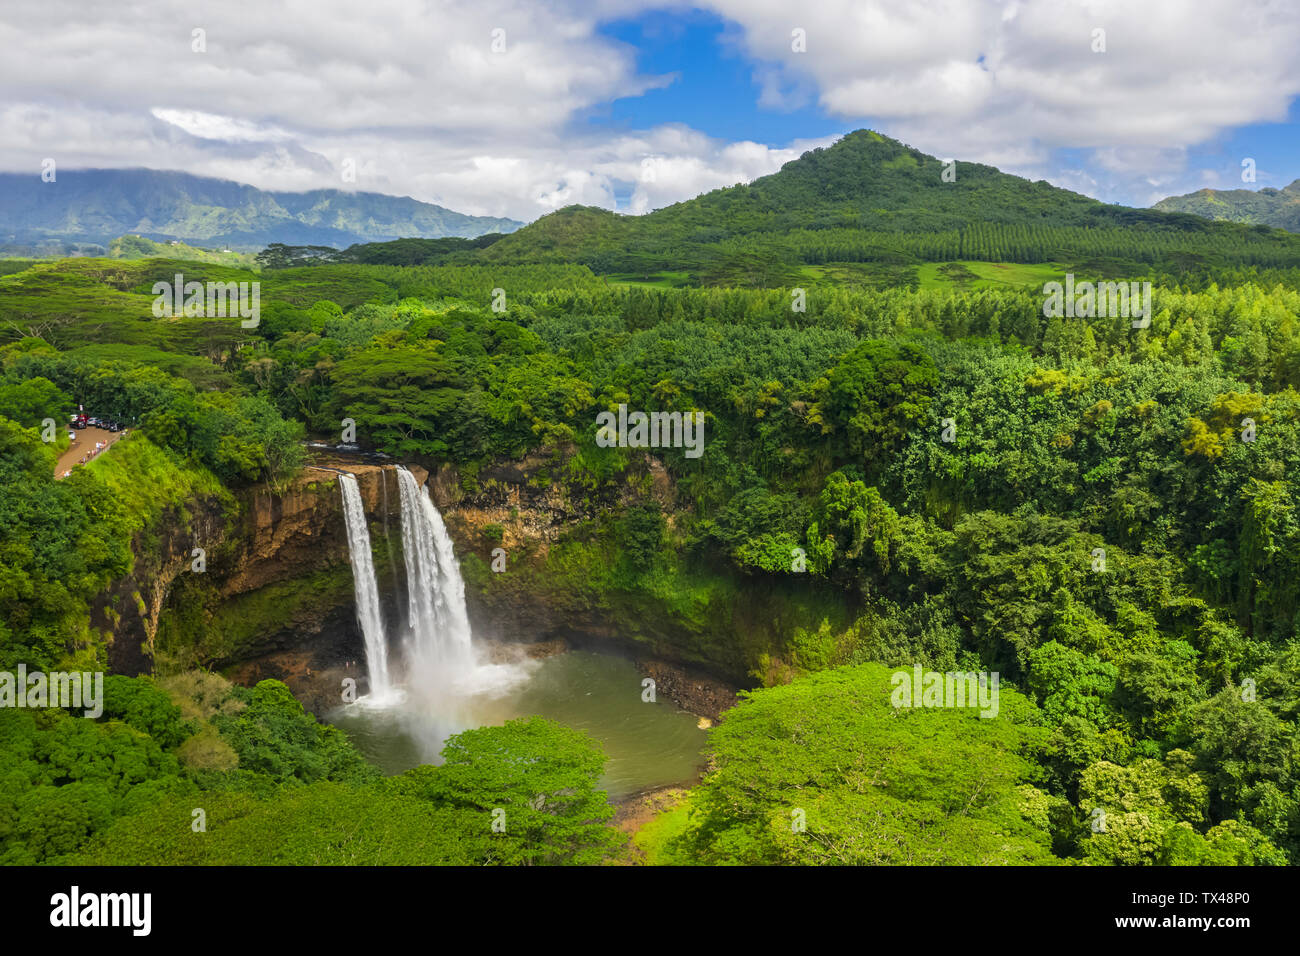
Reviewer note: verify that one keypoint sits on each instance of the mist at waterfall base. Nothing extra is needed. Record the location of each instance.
(431, 681)
(437, 684)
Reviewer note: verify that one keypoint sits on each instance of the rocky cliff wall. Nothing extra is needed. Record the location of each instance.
(276, 597)
(275, 574)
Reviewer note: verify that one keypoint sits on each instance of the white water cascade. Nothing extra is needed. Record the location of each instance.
(439, 656)
(439, 685)
(367, 591)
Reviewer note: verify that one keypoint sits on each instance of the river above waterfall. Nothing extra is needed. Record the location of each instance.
(648, 744)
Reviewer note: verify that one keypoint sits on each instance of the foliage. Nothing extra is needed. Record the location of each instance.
(917, 466)
(870, 784)
(535, 779)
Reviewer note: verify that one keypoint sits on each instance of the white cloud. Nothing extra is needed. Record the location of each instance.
(414, 95)
(1011, 83)
(226, 128)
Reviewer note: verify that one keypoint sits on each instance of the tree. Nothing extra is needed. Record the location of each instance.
(825, 770)
(34, 400)
(537, 778)
(275, 736)
(641, 533)
(876, 394)
(404, 397)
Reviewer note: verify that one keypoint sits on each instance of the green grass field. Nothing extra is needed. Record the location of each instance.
(655, 280)
(988, 275)
(960, 276)
(929, 275)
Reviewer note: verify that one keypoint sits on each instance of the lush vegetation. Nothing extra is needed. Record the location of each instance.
(905, 462)
(1266, 206)
(195, 771)
(869, 198)
(866, 200)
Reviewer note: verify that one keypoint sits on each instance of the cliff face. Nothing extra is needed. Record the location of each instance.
(277, 575)
(512, 531)
(276, 598)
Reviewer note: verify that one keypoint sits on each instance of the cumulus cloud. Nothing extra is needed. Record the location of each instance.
(1013, 83)
(477, 104)
(468, 103)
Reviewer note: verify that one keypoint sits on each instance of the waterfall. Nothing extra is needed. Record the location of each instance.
(438, 649)
(367, 590)
(388, 539)
(439, 686)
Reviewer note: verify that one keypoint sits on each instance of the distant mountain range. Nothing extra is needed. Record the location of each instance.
(98, 205)
(1267, 206)
(865, 199)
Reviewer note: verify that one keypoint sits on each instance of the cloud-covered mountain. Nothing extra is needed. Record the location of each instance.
(97, 205)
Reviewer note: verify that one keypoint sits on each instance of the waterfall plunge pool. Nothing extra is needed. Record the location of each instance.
(437, 683)
(648, 745)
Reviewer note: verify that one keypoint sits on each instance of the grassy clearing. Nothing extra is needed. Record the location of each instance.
(972, 274)
(654, 839)
(147, 481)
(654, 280)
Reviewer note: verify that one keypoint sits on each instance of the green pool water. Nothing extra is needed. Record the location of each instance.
(648, 744)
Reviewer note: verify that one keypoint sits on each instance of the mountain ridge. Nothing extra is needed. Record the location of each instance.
(848, 202)
(1267, 206)
(99, 205)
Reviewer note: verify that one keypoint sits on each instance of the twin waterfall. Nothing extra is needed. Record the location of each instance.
(436, 644)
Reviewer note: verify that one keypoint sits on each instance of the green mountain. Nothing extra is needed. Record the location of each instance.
(98, 205)
(1267, 206)
(869, 198)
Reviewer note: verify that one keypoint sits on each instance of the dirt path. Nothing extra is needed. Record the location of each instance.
(83, 446)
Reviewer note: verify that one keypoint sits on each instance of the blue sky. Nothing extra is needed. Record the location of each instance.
(713, 87)
(1275, 147)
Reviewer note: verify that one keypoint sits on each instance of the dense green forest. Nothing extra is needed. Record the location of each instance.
(911, 473)
(866, 199)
